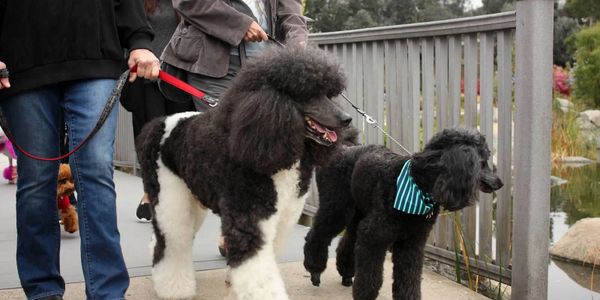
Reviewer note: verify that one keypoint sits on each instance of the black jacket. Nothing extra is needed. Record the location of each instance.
(50, 41)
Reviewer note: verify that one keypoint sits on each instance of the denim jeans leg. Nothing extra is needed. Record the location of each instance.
(104, 269)
(33, 117)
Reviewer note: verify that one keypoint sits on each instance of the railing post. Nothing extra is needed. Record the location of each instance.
(533, 119)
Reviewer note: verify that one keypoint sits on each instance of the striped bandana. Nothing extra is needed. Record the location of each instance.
(409, 198)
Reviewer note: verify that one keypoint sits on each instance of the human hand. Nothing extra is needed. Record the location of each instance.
(255, 33)
(148, 65)
(4, 82)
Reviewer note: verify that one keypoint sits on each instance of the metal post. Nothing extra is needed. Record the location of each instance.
(533, 121)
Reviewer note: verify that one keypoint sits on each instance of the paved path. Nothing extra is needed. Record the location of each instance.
(207, 261)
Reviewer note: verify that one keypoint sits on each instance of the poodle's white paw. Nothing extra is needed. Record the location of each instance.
(173, 285)
(260, 284)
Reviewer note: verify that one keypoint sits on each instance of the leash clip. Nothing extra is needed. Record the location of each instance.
(210, 100)
(368, 118)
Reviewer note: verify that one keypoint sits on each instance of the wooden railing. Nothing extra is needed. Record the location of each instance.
(474, 72)
(417, 79)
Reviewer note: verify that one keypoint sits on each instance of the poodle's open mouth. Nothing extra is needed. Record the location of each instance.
(319, 133)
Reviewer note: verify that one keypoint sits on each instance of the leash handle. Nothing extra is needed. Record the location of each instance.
(184, 86)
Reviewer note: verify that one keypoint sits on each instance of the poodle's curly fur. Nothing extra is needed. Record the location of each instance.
(249, 160)
(357, 191)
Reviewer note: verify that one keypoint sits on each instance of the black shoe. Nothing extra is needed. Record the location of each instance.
(54, 297)
(143, 212)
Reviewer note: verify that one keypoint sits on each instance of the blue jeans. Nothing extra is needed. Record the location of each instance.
(35, 119)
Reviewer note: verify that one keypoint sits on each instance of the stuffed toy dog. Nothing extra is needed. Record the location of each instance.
(68, 215)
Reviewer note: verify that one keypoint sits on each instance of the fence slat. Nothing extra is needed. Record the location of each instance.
(428, 88)
(454, 77)
(402, 67)
(414, 71)
(124, 154)
(377, 112)
(441, 82)
(357, 53)
(443, 225)
(369, 89)
(392, 94)
(348, 65)
(471, 57)
(505, 105)
(486, 109)
(427, 56)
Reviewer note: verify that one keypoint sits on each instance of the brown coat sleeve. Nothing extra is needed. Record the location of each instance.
(215, 18)
(290, 21)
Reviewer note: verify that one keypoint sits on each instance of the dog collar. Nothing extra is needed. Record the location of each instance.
(409, 197)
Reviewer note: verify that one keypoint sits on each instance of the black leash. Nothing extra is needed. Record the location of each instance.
(108, 107)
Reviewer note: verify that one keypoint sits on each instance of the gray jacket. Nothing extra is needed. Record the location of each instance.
(209, 28)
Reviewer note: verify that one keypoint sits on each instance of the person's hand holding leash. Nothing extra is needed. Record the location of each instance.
(148, 65)
(4, 82)
(255, 33)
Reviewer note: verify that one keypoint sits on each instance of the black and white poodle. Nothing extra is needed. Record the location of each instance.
(385, 200)
(249, 160)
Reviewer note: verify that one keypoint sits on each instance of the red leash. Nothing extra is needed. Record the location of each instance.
(176, 82)
(116, 93)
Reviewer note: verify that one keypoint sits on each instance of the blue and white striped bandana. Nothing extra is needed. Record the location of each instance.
(409, 198)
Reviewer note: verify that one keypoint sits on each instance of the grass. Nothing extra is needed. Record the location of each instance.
(474, 281)
(567, 139)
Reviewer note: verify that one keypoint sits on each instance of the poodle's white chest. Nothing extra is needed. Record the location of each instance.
(287, 186)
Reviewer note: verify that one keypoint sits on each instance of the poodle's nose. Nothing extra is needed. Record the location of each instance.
(345, 119)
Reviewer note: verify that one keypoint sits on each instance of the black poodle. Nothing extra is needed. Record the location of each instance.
(250, 160)
(383, 199)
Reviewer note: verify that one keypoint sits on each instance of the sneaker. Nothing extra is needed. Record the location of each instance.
(143, 212)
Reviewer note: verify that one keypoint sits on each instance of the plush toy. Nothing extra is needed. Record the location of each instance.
(6, 148)
(66, 188)
(10, 173)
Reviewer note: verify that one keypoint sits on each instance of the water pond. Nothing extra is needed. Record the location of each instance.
(570, 202)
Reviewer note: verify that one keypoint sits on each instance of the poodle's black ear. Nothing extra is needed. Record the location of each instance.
(266, 132)
(457, 185)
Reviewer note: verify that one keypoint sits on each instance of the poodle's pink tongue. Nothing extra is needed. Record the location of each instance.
(328, 134)
(331, 135)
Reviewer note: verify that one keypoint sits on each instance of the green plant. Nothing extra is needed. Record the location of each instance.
(563, 28)
(586, 44)
(566, 137)
(464, 252)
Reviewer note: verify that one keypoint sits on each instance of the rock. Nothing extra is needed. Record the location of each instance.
(592, 115)
(565, 105)
(556, 181)
(581, 243)
(575, 161)
(584, 123)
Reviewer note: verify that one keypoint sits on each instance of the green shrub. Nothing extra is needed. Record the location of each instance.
(563, 28)
(586, 44)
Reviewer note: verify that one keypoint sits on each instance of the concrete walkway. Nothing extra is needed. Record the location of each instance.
(207, 261)
(211, 286)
